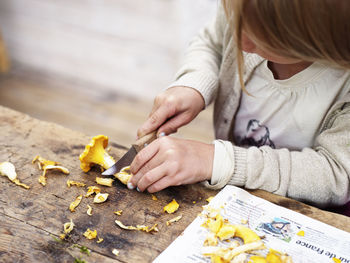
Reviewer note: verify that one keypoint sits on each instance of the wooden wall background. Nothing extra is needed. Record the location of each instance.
(123, 45)
(96, 65)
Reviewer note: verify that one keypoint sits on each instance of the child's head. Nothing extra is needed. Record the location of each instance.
(305, 30)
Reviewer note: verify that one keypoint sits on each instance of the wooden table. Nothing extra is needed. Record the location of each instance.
(32, 220)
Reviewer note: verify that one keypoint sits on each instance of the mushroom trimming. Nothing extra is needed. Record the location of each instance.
(90, 234)
(100, 198)
(104, 181)
(8, 169)
(124, 175)
(75, 183)
(67, 228)
(75, 203)
(138, 227)
(171, 207)
(92, 190)
(173, 220)
(220, 228)
(45, 165)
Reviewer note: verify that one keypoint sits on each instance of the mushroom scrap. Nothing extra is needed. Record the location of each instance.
(8, 169)
(45, 165)
(234, 235)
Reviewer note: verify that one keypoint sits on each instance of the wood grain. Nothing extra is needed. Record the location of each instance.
(21, 242)
(86, 108)
(46, 208)
(4, 61)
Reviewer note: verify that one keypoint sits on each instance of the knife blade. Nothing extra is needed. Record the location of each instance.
(127, 158)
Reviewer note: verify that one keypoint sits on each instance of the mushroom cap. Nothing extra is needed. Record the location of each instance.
(94, 153)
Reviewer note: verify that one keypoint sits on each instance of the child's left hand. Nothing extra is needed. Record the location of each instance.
(170, 161)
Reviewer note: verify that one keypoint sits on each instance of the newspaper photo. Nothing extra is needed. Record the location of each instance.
(299, 238)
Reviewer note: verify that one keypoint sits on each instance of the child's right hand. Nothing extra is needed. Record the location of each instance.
(172, 109)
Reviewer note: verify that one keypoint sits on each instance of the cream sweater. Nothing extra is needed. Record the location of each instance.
(319, 174)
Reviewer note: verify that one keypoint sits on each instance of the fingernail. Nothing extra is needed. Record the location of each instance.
(161, 134)
(138, 190)
(130, 186)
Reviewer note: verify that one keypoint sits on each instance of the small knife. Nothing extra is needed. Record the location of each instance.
(127, 158)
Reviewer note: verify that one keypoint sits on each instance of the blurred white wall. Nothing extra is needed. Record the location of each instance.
(130, 46)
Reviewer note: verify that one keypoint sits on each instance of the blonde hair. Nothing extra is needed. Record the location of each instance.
(310, 30)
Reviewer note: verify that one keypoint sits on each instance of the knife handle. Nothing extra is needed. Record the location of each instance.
(145, 140)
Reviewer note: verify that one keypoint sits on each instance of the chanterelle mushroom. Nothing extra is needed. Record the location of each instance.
(95, 153)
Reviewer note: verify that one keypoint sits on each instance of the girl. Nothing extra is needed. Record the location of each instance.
(278, 71)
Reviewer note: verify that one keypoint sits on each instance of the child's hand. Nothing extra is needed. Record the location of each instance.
(172, 109)
(170, 161)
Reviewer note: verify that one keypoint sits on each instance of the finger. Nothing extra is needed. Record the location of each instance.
(150, 165)
(161, 184)
(158, 117)
(152, 176)
(173, 124)
(143, 156)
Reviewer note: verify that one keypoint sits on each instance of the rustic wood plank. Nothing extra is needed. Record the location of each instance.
(4, 61)
(46, 208)
(21, 242)
(86, 108)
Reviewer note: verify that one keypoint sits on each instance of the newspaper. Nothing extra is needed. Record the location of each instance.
(301, 237)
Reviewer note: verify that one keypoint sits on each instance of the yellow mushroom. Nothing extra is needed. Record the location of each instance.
(211, 239)
(124, 175)
(100, 198)
(95, 153)
(246, 234)
(171, 207)
(257, 259)
(92, 190)
(209, 198)
(45, 165)
(71, 183)
(8, 169)
(89, 211)
(75, 203)
(301, 233)
(104, 181)
(119, 212)
(138, 227)
(89, 234)
(275, 256)
(214, 224)
(68, 227)
(173, 220)
(226, 232)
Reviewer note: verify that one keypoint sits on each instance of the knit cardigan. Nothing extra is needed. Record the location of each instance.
(319, 175)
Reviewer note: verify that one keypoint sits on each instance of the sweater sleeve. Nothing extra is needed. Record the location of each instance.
(203, 58)
(319, 175)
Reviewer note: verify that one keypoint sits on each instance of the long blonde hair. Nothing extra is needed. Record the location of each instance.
(310, 30)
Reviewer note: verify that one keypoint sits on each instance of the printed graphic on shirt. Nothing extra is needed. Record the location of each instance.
(256, 135)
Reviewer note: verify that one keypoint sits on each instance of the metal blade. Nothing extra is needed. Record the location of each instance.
(122, 162)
